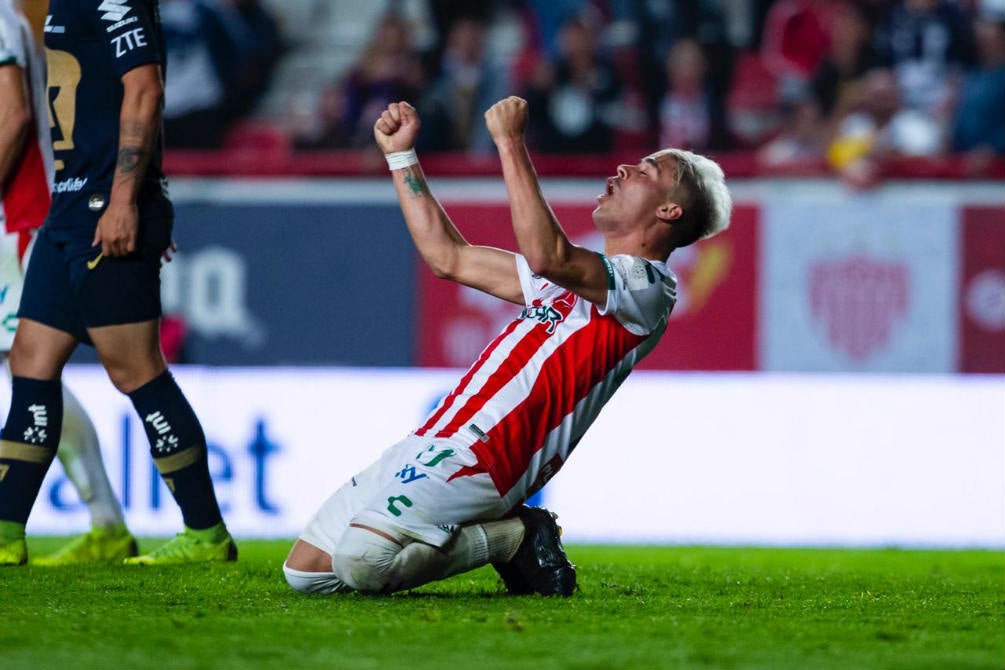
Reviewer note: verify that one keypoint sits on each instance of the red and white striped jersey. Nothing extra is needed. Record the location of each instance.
(524, 404)
(25, 202)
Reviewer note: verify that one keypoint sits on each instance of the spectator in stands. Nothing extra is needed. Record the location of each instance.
(801, 141)
(979, 126)
(222, 53)
(388, 70)
(632, 113)
(467, 85)
(797, 35)
(201, 48)
(685, 113)
(261, 47)
(549, 17)
(879, 129)
(850, 56)
(927, 44)
(576, 94)
(654, 28)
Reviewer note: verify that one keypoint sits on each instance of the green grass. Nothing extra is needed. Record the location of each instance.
(638, 607)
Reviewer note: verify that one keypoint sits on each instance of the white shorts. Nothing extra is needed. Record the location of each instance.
(11, 282)
(419, 488)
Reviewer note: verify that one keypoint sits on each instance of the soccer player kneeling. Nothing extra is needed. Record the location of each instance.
(449, 497)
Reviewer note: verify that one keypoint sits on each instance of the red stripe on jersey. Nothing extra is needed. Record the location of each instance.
(517, 359)
(583, 361)
(466, 379)
(26, 200)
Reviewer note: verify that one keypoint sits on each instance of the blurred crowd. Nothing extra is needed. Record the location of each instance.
(845, 82)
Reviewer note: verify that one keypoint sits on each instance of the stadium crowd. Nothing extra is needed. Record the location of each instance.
(839, 83)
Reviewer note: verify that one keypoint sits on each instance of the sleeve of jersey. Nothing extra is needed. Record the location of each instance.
(636, 295)
(128, 30)
(11, 44)
(529, 282)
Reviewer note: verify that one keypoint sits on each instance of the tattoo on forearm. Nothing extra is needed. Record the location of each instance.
(130, 159)
(416, 184)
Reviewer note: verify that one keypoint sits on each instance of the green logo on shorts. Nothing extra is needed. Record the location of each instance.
(392, 504)
(435, 460)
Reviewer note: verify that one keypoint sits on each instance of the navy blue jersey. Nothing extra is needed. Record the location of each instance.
(89, 45)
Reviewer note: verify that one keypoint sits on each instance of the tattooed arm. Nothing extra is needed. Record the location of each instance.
(139, 120)
(440, 244)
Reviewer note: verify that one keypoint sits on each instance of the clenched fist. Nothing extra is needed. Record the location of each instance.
(396, 128)
(507, 119)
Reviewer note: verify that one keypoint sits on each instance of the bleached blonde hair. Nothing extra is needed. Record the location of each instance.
(701, 186)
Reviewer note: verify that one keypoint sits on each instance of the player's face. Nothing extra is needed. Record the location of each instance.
(635, 193)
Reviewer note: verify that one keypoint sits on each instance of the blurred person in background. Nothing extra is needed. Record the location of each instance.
(655, 27)
(25, 185)
(797, 37)
(928, 44)
(261, 47)
(979, 123)
(577, 94)
(685, 113)
(803, 139)
(222, 55)
(849, 57)
(880, 128)
(202, 52)
(388, 68)
(467, 85)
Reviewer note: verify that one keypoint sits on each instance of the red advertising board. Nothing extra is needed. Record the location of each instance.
(713, 326)
(982, 290)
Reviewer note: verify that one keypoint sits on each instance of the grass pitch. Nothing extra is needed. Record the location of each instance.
(638, 607)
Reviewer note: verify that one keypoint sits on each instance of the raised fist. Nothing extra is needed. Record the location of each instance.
(507, 119)
(396, 128)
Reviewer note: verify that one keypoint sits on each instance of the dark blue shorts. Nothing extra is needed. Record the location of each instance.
(66, 288)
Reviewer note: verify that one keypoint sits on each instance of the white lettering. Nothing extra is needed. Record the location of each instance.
(115, 26)
(70, 185)
(128, 41)
(39, 414)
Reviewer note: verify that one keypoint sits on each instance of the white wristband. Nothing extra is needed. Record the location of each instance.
(401, 159)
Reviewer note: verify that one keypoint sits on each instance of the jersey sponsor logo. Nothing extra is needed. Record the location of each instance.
(125, 22)
(128, 41)
(71, 185)
(49, 28)
(544, 314)
(114, 10)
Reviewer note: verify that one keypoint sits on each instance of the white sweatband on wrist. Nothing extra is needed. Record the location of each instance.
(401, 159)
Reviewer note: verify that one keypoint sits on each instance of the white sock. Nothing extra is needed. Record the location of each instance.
(81, 458)
(504, 538)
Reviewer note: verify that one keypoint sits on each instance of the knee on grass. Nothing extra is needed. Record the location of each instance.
(372, 563)
(363, 560)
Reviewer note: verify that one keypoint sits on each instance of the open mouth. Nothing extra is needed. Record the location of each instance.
(610, 186)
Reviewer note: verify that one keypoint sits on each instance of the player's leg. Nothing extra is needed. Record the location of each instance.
(308, 568)
(372, 561)
(80, 454)
(47, 333)
(434, 516)
(395, 526)
(120, 305)
(131, 355)
(31, 433)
